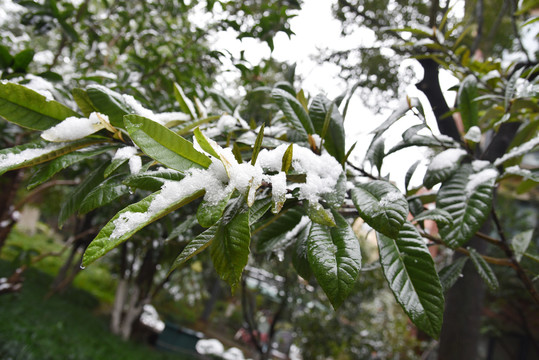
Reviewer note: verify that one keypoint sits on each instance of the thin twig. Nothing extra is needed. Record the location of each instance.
(362, 171)
(489, 259)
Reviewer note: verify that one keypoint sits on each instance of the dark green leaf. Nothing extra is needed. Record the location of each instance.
(375, 153)
(110, 103)
(469, 205)
(484, 269)
(115, 165)
(204, 143)
(421, 140)
(443, 166)
(164, 145)
(409, 270)
(75, 198)
(31, 110)
(276, 228)
(333, 137)
(319, 214)
(195, 246)
(103, 194)
(294, 112)
(381, 205)
(38, 152)
(22, 60)
(468, 107)
(300, 256)
(47, 171)
(409, 174)
(209, 213)
(335, 258)
(152, 180)
(230, 248)
(451, 273)
(83, 101)
(438, 215)
(336, 198)
(105, 241)
(259, 209)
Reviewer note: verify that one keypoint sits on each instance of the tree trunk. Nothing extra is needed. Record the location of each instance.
(9, 183)
(462, 315)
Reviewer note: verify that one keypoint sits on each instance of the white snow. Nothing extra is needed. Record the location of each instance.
(150, 318)
(292, 234)
(226, 123)
(446, 159)
(223, 177)
(7, 160)
(479, 164)
(389, 198)
(125, 153)
(161, 118)
(74, 128)
(210, 347)
(517, 170)
(135, 164)
(278, 187)
(473, 134)
(484, 176)
(518, 151)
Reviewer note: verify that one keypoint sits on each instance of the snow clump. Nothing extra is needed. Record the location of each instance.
(74, 128)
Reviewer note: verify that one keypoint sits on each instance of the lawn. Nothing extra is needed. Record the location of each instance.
(65, 326)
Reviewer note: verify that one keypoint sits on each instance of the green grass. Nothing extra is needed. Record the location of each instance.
(19, 247)
(62, 327)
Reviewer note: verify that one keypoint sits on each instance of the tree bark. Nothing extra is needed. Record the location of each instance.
(9, 183)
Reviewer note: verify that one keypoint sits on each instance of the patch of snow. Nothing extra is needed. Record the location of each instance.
(125, 153)
(278, 186)
(446, 159)
(162, 118)
(226, 123)
(485, 176)
(150, 318)
(233, 354)
(389, 198)
(209, 347)
(518, 151)
(317, 139)
(473, 134)
(517, 170)
(5, 223)
(292, 234)
(10, 159)
(479, 164)
(135, 164)
(37, 84)
(74, 128)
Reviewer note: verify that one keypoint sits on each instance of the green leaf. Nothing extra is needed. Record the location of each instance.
(178, 233)
(381, 205)
(47, 171)
(103, 194)
(186, 105)
(258, 144)
(336, 198)
(259, 209)
(287, 158)
(520, 243)
(275, 230)
(294, 112)
(105, 242)
(195, 246)
(483, 269)
(151, 180)
(222, 102)
(409, 270)
(204, 143)
(443, 166)
(83, 101)
(375, 153)
(6, 60)
(76, 197)
(209, 213)
(451, 273)
(318, 214)
(300, 256)
(469, 207)
(468, 107)
(110, 103)
(421, 140)
(38, 152)
(114, 165)
(230, 248)
(511, 87)
(438, 215)
(335, 258)
(409, 174)
(31, 110)
(22, 60)
(333, 138)
(404, 106)
(164, 145)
